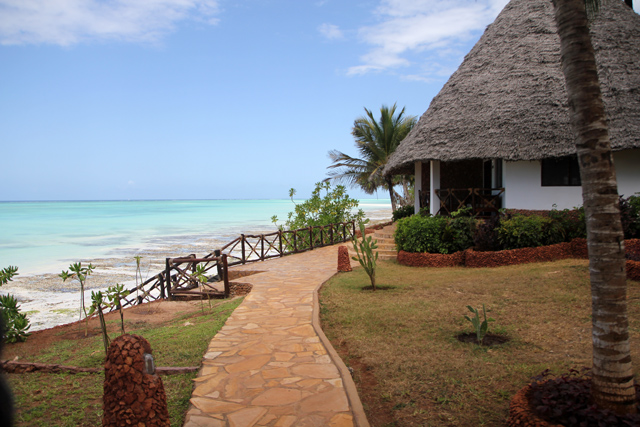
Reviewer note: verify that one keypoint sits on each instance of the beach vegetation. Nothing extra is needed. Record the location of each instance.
(115, 294)
(97, 302)
(16, 323)
(376, 140)
(365, 253)
(81, 274)
(327, 205)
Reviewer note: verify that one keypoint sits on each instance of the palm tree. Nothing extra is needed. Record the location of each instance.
(376, 141)
(612, 375)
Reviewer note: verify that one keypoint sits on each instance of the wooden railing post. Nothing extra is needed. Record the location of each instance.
(331, 234)
(280, 242)
(167, 280)
(225, 268)
(262, 247)
(295, 241)
(344, 232)
(244, 260)
(353, 229)
(217, 254)
(310, 237)
(322, 235)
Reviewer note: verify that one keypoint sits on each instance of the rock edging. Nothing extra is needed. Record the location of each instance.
(577, 248)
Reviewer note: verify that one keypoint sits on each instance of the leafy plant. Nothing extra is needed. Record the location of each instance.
(97, 301)
(201, 277)
(334, 207)
(481, 327)
(80, 273)
(115, 295)
(486, 236)
(7, 274)
(566, 400)
(521, 231)
(435, 234)
(403, 212)
(16, 323)
(572, 222)
(365, 253)
(420, 234)
(630, 216)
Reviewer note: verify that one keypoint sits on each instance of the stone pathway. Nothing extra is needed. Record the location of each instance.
(270, 364)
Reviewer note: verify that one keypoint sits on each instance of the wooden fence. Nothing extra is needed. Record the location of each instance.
(483, 201)
(179, 279)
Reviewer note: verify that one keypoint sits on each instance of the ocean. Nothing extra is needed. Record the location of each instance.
(43, 238)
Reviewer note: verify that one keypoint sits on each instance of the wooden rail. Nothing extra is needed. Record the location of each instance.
(482, 201)
(178, 277)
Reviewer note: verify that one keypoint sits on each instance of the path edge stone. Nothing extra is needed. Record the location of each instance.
(359, 415)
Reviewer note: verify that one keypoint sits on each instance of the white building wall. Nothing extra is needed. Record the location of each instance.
(523, 188)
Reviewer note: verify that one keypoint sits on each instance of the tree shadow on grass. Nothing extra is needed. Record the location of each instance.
(379, 288)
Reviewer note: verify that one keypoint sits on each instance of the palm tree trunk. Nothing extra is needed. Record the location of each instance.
(393, 198)
(612, 383)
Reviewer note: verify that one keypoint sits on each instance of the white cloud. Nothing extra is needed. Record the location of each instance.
(330, 31)
(68, 22)
(410, 27)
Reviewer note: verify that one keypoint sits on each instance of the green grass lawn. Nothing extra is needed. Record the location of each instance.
(76, 399)
(411, 369)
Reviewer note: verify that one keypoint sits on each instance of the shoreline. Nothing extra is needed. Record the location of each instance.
(49, 302)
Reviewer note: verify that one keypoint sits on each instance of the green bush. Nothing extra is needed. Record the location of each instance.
(572, 222)
(459, 233)
(403, 212)
(334, 207)
(522, 231)
(630, 216)
(435, 234)
(15, 322)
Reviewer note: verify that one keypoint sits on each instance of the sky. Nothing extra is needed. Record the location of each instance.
(209, 99)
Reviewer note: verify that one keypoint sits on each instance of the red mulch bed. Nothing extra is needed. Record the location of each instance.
(577, 248)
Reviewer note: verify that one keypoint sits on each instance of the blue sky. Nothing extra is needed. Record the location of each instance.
(208, 99)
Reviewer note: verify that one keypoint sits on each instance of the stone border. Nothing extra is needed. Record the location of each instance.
(359, 416)
(521, 414)
(577, 248)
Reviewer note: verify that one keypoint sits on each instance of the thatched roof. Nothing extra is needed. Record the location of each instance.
(508, 99)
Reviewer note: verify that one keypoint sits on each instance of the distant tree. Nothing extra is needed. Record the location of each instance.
(376, 141)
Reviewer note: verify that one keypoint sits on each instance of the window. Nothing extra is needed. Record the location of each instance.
(561, 172)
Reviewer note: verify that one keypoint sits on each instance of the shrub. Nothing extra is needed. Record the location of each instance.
(486, 236)
(566, 400)
(458, 233)
(403, 212)
(420, 233)
(435, 234)
(334, 207)
(572, 222)
(522, 231)
(630, 216)
(15, 322)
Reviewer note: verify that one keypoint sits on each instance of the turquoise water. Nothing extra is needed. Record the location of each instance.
(43, 237)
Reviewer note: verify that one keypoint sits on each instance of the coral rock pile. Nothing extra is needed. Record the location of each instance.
(132, 396)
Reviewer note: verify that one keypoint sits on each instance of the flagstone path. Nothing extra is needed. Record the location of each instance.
(271, 364)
